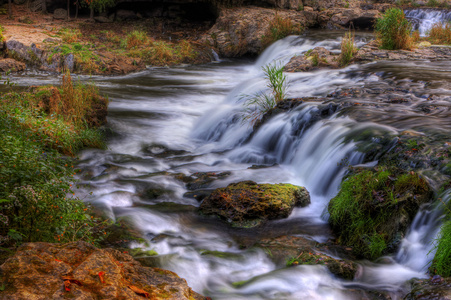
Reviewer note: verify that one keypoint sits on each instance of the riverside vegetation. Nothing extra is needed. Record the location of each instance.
(38, 127)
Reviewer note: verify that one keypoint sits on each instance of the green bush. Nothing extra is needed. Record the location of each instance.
(394, 30)
(34, 184)
(278, 29)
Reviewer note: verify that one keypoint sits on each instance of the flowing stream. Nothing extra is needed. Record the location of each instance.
(186, 119)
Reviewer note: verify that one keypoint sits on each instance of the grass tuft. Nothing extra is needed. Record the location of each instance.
(280, 28)
(348, 49)
(440, 33)
(394, 30)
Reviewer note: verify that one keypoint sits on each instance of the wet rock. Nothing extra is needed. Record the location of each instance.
(9, 64)
(43, 270)
(248, 204)
(317, 58)
(374, 209)
(202, 180)
(435, 288)
(292, 251)
(342, 18)
(123, 15)
(103, 19)
(158, 150)
(60, 14)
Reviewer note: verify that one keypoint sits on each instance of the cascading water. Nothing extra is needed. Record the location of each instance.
(424, 19)
(187, 120)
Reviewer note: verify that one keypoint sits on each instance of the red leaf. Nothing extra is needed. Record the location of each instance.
(101, 274)
(71, 280)
(139, 291)
(67, 285)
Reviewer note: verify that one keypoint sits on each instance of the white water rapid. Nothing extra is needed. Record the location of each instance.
(169, 121)
(424, 19)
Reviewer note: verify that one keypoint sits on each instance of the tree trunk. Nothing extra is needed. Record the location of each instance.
(68, 9)
(76, 9)
(44, 6)
(91, 13)
(10, 9)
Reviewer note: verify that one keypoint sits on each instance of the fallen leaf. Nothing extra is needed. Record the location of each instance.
(71, 280)
(101, 274)
(67, 285)
(139, 291)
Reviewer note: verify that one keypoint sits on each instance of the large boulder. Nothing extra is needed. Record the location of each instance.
(374, 208)
(60, 14)
(244, 30)
(79, 270)
(249, 204)
(345, 18)
(9, 64)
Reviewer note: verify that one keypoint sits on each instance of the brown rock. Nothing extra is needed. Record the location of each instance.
(319, 57)
(74, 270)
(9, 64)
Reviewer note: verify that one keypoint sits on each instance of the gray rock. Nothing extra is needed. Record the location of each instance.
(60, 14)
(36, 6)
(9, 64)
(69, 62)
(102, 19)
(122, 15)
(19, 2)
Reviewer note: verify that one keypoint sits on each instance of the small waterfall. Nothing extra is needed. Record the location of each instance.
(215, 56)
(424, 19)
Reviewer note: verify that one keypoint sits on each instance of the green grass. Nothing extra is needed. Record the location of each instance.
(440, 34)
(394, 30)
(69, 35)
(260, 103)
(441, 264)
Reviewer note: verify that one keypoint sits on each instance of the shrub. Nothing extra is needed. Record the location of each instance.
(259, 104)
(348, 49)
(278, 29)
(440, 33)
(2, 38)
(393, 30)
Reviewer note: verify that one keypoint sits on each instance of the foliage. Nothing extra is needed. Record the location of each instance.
(69, 35)
(260, 103)
(34, 184)
(99, 5)
(279, 28)
(63, 119)
(2, 38)
(394, 30)
(162, 53)
(366, 211)
(441, 264)
(440, 33)
(348, 49)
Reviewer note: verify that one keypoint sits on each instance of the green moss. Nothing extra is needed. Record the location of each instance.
(373, 207)
(441, 264)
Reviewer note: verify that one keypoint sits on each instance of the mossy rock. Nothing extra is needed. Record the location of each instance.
(374, 209)
(341, 268)
(121, 233)
(248, 204)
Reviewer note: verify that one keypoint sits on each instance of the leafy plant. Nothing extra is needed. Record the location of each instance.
(393, 30)
(69, 35)
(348, 49)
(441, 264)
(260, 103)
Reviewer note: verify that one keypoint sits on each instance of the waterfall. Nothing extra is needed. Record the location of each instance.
(424, 19)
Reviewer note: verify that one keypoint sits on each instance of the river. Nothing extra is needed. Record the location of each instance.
(186, 119)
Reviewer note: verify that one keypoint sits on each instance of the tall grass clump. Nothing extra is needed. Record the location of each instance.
(135, 39)
(280, 28)
(348, 49)
(441, 264)
(394, 30)
(440, 33)
(260, 103)
(69, 35)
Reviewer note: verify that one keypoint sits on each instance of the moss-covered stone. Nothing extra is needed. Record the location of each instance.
(248, 204)
(374, 208)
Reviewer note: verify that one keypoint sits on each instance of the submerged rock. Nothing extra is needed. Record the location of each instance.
(249, 204)
(428, 289)
(374, 209)
(79, 270)
(317, 58)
